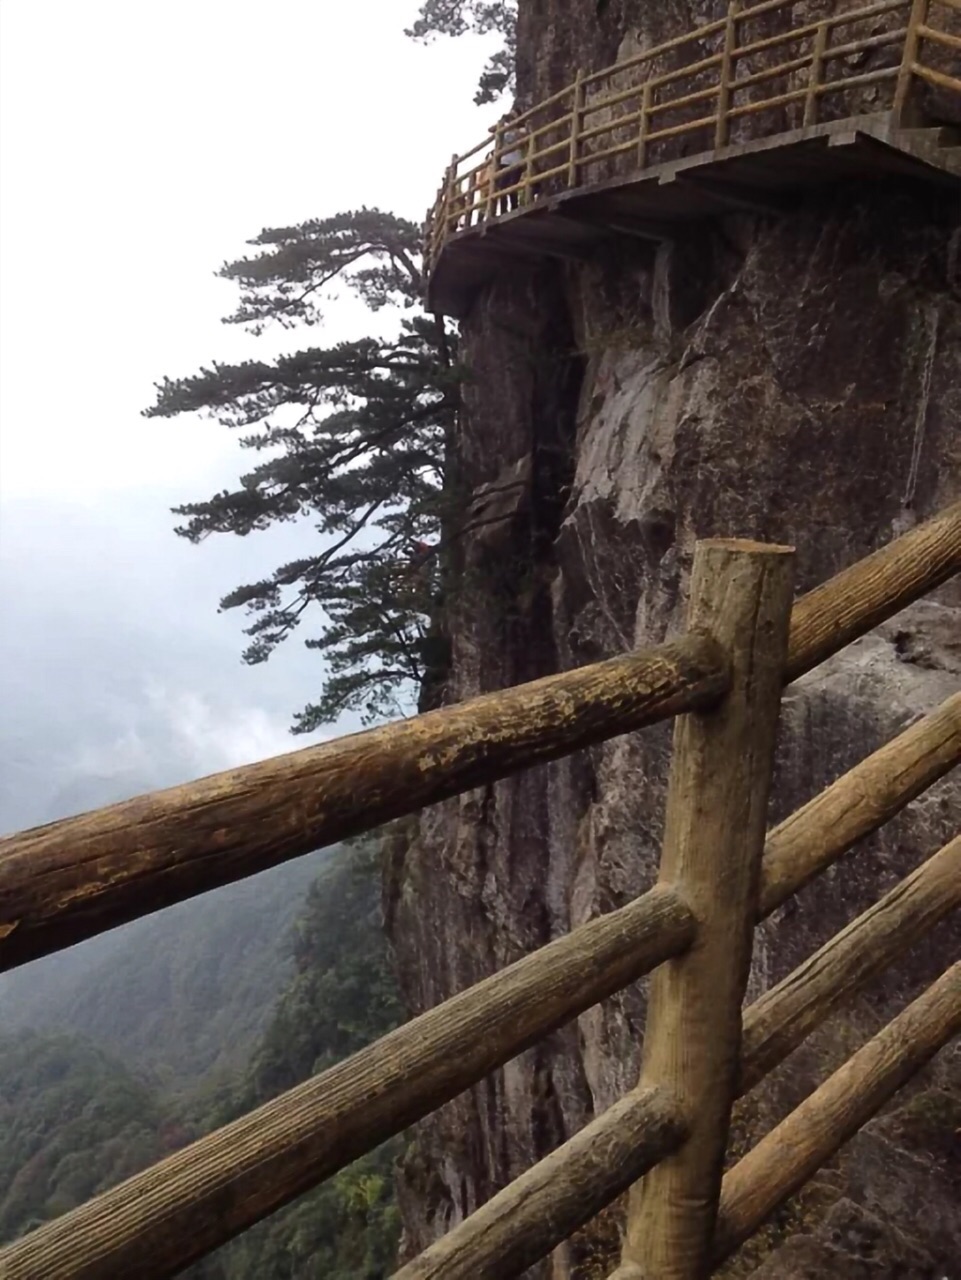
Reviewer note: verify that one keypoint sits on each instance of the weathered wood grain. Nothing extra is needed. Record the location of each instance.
(787, 1157)
(713, 841)
(557, 1195)
(858, 598)
(807, 841)
(69, 880)
(779, 1020)
(75, 878)
(535, 1219)
(160, 1220)
(862, 800)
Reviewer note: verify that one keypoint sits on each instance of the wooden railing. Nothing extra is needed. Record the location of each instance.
(720, 874)
(750, 74)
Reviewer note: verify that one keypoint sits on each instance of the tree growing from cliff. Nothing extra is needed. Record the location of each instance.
(350, 436)
(457, 18)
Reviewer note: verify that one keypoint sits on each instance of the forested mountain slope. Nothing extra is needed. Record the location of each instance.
(180, 994)
(177, 998)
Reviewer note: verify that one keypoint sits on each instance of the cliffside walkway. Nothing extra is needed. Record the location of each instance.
(734, 115)
(721, 873)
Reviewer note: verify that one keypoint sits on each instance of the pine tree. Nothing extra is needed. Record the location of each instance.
(457, 18)
(353, 438)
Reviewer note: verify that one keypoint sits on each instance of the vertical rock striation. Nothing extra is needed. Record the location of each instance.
(792, 379)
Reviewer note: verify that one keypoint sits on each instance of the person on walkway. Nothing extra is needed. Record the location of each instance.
(510, 162)
(480, 188)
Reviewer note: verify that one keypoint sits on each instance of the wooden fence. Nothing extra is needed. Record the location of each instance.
(720, 874)
(754, 70)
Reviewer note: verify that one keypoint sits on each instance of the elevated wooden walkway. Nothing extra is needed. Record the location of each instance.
(700, 126)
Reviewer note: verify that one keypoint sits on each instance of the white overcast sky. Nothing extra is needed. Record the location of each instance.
(141, 145)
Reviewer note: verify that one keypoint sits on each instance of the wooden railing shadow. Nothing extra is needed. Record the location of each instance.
(755, 73)
(720, 874)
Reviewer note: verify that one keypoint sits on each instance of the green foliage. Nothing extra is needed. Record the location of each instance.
(182, 996)
(74, 1120)
(341, 997)
(343, 993)
(457, 18)
(352, 437)
(347, 1229)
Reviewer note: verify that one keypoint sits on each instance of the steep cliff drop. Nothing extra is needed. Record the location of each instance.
(793, 377)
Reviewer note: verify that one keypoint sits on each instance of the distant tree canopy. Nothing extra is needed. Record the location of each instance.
(75, 1120)
(351, 436)
(457, 18)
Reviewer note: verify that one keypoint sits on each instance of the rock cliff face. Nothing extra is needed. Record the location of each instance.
(794, 379)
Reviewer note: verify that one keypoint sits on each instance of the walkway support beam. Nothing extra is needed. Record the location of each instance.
(714, 830)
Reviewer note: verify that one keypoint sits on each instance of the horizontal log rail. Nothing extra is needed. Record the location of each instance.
(815, 836)
(559, 1194)
(780, 1020)
(199, 1197)
(611, 113)
(787, 1157)
(75, 878)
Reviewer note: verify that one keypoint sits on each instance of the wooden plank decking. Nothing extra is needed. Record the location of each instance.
(762, 104)
(761, 175)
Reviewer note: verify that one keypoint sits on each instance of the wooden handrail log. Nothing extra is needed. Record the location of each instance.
(857, 599)
(535, 1220)
(288, 1133)
(859, 802)
(160, 1220)
(560, 1193)
(940, 37)
(865, 43)
(657, 51)
(768, 73)
(759, 10)
(784, 1160)
(831, 21)
(74, 878)
(779, 1021)
(686, 72)
(940, 79)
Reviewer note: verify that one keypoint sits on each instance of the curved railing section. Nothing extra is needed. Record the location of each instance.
(749, 75)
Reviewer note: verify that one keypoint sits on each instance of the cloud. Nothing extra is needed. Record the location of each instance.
(180, 734)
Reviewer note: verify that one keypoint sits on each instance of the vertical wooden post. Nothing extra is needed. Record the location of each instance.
(646, 96)
(577, 110)
(526, 192)
(727, 71)
(713, 839)
(814, 79)
(450, 199)
(491, 207)
(902, 109)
